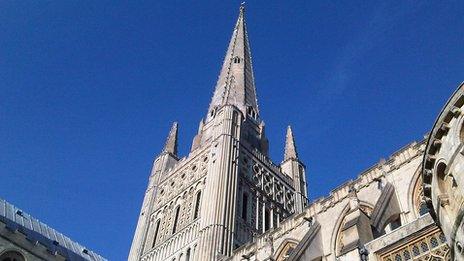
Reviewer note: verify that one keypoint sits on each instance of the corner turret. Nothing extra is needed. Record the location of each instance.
(167, 159)
(296, 170)
(171, 142)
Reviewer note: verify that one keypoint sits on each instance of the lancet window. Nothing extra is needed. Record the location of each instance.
(197, 205)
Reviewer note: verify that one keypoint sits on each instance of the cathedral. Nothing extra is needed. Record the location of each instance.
(227, 200)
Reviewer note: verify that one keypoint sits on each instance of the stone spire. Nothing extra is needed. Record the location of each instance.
(171, 141)
(290, 147)
(236, 85)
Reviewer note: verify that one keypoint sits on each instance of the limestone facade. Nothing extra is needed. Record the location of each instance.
(227, 191)
(227, 200)
(372, 217)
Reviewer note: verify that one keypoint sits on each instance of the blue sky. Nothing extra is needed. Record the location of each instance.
(89, 89)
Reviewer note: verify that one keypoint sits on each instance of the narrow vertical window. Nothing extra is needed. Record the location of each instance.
(235, 123)
(302, 183)
(187, 255)
(194, 251)
(259, 215)
(274, 218)
(155, 235)
(197, 206)
(176, 219)
(245, 206)
(267, 220)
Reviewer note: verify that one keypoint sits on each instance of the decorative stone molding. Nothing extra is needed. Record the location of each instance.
(442, 170)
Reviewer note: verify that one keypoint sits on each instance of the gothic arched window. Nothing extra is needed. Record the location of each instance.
(155, 234)
(267, 220)
(196, 212)
(176, 220)
(187, 255)
(285, 250)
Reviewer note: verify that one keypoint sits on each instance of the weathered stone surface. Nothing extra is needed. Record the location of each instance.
(443, 168)
(227, 191)
(227, 200)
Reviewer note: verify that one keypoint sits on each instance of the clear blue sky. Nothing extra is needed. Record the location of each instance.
(88, 90)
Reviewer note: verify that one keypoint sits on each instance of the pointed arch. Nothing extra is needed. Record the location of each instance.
(359, 216)
(310, 246)
(337, 229)
(156, 232)
(416, 195)
(285, 249)
(366, 207)
(176, 219)
(187, 254)
(387, 211)
(417, 204)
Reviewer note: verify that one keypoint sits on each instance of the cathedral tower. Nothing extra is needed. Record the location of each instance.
(227, 190)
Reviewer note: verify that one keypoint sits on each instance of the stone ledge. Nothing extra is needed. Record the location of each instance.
(400, 234)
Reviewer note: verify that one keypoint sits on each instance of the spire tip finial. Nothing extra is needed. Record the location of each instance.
(242, 6)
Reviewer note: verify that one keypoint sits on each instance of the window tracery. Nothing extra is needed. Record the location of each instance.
(432, 246)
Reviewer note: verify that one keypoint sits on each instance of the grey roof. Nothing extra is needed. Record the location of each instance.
(37, 232)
